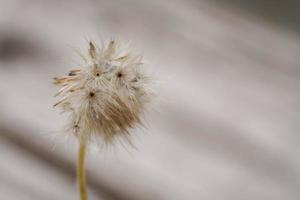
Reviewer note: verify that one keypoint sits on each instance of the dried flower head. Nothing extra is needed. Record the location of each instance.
(107, 95)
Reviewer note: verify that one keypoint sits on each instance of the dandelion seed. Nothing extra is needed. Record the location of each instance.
(117, 93)
(105, 98)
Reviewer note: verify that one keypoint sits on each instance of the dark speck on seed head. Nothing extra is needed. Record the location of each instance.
(72, 74)
(92, 94)
(119, 74)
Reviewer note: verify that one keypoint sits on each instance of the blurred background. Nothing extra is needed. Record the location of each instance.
(225, 127)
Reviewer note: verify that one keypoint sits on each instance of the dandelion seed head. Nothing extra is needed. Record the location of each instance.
(107, 96)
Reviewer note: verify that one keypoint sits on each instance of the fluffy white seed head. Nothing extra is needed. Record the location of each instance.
(107, 95)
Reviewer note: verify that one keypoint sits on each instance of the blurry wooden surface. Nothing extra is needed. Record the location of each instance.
(226, 125)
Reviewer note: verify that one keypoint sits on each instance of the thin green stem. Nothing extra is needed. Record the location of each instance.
(81, 180)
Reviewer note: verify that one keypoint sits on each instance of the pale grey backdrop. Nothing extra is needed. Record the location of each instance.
(225, 125)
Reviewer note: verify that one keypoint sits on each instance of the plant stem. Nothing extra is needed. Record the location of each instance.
(81, 180)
